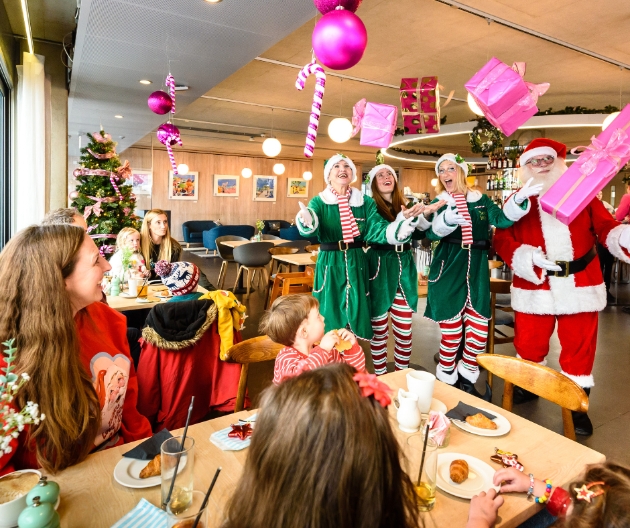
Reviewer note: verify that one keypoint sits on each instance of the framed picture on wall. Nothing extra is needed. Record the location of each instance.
(141, 181)
(265, 188)
(297, 188)
(183, 186)
(226, 185)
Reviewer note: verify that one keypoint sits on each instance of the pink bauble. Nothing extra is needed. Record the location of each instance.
(166, 133)
(160, 102)
(324, 6)
(73, 195)
(77, 172)
(339, 39)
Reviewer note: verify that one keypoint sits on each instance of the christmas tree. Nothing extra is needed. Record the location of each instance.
(103, 196)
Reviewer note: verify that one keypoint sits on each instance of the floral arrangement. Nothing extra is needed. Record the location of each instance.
(260, 225)
(12, 422)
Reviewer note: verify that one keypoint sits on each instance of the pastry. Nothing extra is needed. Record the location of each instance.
(153, 468)
(479, 420)
(459, 471)
(343, 345)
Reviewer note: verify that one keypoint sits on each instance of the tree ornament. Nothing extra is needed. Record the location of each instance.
(316, 107)
(168, 135)
(76, 173)
(339, 39)
(73, 195)
(132, 197)
(324, 6)
(160, 102)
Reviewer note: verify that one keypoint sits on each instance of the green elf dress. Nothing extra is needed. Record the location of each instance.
(341, 282)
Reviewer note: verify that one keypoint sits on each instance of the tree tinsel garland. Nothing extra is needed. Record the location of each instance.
(432, 153)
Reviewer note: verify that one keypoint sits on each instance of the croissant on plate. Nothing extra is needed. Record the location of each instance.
(459, 471)
(481, 421)
(153, 468)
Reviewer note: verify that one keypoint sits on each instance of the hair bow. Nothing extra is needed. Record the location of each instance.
(358, 112)
(371, 386)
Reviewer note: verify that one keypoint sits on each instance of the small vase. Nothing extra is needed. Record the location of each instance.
(259, 236)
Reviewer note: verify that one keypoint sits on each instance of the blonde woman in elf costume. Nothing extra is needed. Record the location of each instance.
(393, 274)
(344, 221)
(459, 284)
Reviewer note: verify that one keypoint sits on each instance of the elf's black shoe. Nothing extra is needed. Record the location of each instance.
(581, 422)
(469, 387)
(520, 395)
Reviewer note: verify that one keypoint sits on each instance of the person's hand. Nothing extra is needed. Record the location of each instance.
(347, 335)
(511, 480)
(329, 340)
(540, 259)
(483, 509)
(452, 217)
(305, 215)
(528, 190)
(432, 208)
(416, 210)
(405, 230)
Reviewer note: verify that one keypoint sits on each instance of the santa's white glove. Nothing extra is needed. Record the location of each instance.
(305, 215)
(406, 229)
(624, 238)
(539, 259)
(452, 217)
(528, 190)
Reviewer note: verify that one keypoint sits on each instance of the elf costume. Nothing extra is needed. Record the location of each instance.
(344, 225)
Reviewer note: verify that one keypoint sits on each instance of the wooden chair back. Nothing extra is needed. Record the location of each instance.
(311, 248)
(543, 381)
(286, 283)
(249, 351)
(283, 250)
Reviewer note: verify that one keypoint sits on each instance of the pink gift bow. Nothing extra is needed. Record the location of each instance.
(101, 139)
(96, 208)
(618, 146)
(358, 120)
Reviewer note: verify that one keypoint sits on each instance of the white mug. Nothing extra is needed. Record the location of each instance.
(421, 383)
(132, 287)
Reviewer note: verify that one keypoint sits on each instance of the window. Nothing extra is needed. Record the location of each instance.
(5, 176)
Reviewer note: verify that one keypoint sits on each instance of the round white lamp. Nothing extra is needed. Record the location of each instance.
(246, 172)
(182, 168)
(278, 169)
(473, 105)
(434, 182)
(308, 175)
(609, 120)
(340, 130)
(271, 147)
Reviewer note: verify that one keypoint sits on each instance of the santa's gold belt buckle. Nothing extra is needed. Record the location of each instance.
(564, 274)
(341, 248)
(399, 248)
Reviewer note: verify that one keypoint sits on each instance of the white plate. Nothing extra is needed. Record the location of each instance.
(438, 406)
(503, 425)
(127, 473)
(479, 476)
(127, 296)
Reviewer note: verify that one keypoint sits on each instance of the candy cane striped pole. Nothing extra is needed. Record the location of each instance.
(316, 107)
(170, 84)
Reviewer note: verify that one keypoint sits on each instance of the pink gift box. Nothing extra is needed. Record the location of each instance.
(377, 123)
(507, 101)
(420, 105)
(590, 173)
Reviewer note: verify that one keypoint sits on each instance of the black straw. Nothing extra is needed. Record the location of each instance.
(205, 499)
(181, 448)
(424, 452)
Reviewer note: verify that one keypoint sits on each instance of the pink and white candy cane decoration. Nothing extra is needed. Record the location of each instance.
(168, 135)
(170, 84)
(316, 107)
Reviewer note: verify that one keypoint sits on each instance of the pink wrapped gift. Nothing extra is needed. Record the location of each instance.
(439, 425)
(507, 101)
(376, 121)
(591, 172)
(420, 105)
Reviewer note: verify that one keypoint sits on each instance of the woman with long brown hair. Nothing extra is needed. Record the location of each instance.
(156, 240)
(70, 344)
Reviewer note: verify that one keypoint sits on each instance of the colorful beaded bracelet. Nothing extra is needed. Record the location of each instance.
(545, 497)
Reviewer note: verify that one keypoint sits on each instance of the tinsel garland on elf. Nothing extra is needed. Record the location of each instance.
(103, 196)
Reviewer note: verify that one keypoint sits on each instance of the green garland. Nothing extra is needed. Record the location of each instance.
(579, 110)
(433, 154)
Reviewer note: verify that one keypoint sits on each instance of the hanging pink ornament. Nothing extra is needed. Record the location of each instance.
(324, 6)
(168, 135)
(77, 172)
(160, 102)
(73, 195)
(339, 39)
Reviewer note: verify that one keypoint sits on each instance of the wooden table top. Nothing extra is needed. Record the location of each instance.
(297, 259)
(124, 304)
(91, 497)
(235, 243)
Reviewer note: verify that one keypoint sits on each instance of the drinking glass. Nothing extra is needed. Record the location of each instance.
(186, 518)
(184, 459)
(143, 290)
(424, 482)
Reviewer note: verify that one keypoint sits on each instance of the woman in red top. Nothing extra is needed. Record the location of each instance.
(73, 347)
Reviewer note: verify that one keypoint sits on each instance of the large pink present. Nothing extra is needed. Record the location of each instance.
(376, 121)
(589, 174)
(506, 100)
(420, 105)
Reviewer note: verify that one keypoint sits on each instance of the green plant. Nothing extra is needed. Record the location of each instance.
(485, 138)
(260, 225)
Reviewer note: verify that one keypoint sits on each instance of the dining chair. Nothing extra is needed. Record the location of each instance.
(253, 257)
(249, 351)
(500, 315)
(284, 250)
(227, 254)
(311, 247)
(289, 283)
(543, 381)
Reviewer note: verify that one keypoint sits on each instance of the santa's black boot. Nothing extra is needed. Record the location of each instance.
(520, 395)
(469, 387)
(581, 422)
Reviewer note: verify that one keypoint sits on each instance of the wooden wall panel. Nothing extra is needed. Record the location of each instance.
(418, 179)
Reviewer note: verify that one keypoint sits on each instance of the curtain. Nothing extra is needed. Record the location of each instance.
(29, 178)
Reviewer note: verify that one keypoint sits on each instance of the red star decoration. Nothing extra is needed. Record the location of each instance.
(240, 431)
(584, 493)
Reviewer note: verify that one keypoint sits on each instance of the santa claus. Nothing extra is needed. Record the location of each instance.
(557, 276)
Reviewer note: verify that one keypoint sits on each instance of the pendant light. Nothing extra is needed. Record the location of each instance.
(473, 105)
(340, 128)
(271, 146)
(307, 175)
(182, 168)
(278, 169)
(246, 172)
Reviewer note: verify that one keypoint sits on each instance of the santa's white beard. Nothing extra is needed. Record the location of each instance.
(547, 179)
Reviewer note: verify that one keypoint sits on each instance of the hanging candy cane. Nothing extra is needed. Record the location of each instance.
(170, 84)
(316, 107)
(112, 178)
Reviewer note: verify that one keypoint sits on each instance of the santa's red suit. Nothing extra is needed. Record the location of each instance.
(542, 298)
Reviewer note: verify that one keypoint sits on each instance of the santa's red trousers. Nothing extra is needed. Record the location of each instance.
(577, 334)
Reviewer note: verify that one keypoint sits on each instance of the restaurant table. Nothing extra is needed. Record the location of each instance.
(124, 304)
(296, 259)
(236, 243)
(91, 497)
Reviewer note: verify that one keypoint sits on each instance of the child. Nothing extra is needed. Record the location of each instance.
(128, 238)
(295, 321)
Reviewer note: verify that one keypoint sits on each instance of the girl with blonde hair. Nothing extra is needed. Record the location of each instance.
(156, 240)
(128, 237)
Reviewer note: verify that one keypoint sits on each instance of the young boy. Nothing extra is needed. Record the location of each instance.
(295, 321)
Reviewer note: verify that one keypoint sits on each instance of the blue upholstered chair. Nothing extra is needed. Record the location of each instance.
(193, 230)
(292, 233)
(210, 237)
(272, 227)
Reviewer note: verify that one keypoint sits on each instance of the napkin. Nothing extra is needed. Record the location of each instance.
(150, 448)
(439, 426)
(225, 443)
(144, 514)
(462, 410)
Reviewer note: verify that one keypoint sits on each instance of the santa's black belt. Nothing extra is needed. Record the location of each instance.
(340, 246)
(573, 266)
(476, 244)
(399, 248)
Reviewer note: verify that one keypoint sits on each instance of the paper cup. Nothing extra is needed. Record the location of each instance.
(132, 285)
(421, 383)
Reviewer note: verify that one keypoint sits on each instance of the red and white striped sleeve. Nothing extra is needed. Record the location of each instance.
(290, 362)
(354, 357)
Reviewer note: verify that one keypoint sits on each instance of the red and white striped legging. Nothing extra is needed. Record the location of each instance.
(476, 337)
(401, 325)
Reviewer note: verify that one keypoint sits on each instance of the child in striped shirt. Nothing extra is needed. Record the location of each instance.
(295, 321)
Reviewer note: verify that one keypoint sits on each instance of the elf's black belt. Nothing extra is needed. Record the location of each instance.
(476, 244)
(398, 248)
(340, 246)
(573, 266)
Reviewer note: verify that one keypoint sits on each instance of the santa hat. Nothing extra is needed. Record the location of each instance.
(543, 147)
(455, 158)
(373, 172)
(179, 277)
(331, 163)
